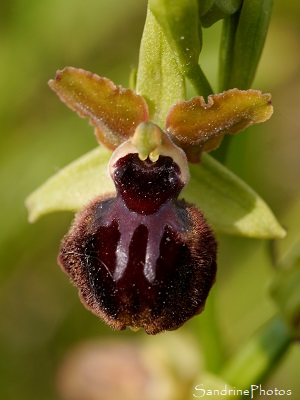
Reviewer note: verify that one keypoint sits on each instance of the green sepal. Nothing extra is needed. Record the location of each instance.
(74, 186)
(180, 24)
(179, 20)
(220, 9)
(229, 204)
(204, 6)
(159, 78)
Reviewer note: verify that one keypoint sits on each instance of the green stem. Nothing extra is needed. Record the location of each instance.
(249, 41)
(259, 356)
(209, 335)
(226, 50)
(199, 81)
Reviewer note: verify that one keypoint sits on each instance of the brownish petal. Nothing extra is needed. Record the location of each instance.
(112, 110)
(197, 126)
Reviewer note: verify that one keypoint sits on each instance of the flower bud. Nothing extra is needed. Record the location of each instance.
(143, 258)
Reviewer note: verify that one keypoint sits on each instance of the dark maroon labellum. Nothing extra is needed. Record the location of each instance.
(143, 258)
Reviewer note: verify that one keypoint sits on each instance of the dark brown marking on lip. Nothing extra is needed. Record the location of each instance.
(142, 261)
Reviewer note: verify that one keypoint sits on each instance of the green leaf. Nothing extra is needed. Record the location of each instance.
(159, 78)
(113, 111)
(228, 203)
(73, 186)
(197, 126)
(180, 24)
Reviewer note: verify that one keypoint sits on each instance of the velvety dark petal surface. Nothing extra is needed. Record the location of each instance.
(183, 272)
(145, 185)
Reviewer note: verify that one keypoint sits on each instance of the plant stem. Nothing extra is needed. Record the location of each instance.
(199, 81)
(250, 35)
(226, 50)
(255, 361)
(209, 335)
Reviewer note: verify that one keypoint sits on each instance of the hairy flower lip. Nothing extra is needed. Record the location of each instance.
(176, 299)
(149, 267)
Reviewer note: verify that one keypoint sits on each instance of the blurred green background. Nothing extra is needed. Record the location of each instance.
(41, 316)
